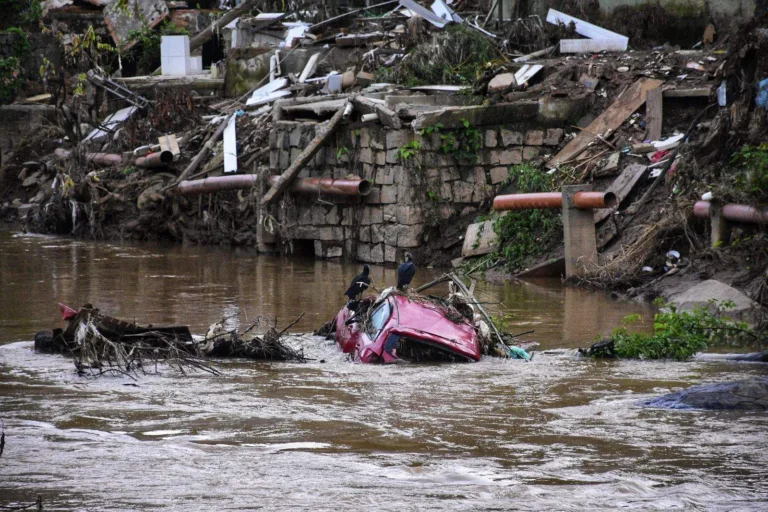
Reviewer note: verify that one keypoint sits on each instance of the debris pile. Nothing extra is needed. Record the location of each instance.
(102, 345)
(126, 156)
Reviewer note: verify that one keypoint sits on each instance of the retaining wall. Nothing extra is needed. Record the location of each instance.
(411, 197)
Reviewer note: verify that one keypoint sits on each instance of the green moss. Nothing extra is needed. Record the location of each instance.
(240, 80)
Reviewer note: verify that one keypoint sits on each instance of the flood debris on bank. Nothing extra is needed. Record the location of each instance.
(191, 153)
(103, 345)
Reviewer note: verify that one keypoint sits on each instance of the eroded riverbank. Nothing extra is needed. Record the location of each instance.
(556, 433)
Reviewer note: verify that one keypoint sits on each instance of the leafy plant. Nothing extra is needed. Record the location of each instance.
(343, 150)
(410, 149)
(433, 128)
(751, 166)
(678, 334)
(525, 233)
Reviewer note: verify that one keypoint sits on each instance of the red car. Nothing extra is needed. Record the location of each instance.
(401, 328)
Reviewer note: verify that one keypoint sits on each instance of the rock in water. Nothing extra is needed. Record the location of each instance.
(748, 395)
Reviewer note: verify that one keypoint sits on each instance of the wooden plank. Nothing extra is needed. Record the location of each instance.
(696, 92)
(654, 113)
(527, 72)
(621, 186)
(586, 29)
(591, 45)
(611, 119)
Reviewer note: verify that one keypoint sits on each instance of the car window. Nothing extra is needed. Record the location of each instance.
(377, 319)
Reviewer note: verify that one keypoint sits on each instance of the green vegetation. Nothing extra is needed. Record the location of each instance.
(20, 12)
(462, 143)
(341, 151)
(678, 334)
(456, 56)
(409, 150)
(11, 75)
(526, 233)
(750, 171)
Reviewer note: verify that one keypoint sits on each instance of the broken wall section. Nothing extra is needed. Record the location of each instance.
(413, 198)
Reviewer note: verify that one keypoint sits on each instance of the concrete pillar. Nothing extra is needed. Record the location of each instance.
(720, 228)
(579, 228)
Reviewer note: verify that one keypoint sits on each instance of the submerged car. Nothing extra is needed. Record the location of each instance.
(397, 327)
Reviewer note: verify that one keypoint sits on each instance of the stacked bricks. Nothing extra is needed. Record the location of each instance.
(408, 193)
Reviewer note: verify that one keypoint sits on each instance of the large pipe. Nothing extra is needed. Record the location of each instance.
(158, 159)
(356, 187)
(584, 200)
(733, 212)
(353, 187)
(104, 158)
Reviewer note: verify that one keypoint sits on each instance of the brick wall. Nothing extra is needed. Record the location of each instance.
(408, 195)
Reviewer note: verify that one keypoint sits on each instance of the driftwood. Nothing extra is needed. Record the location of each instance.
(304, 157)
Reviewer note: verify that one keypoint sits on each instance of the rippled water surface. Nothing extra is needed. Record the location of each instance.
(558, 433)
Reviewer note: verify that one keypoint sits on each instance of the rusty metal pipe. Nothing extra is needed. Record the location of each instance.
(104, 158)
(585, 200)
(302, 185)
(702, 209)
(349, 187)
(158, 159)
(216, 184)
(528, 201)
(590, 200)
(733, 212)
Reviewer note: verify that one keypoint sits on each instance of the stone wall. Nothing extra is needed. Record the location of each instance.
(410, 196)
(19, 121)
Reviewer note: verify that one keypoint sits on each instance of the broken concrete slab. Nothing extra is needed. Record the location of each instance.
(122, 18)
(480, 239)
(453, 117)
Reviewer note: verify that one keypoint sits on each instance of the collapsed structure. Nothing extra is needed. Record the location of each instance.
(366, 131)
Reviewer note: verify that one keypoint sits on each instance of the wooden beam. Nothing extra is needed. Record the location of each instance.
(611, 119)
(654, 113)
(387, 117)
(304, 157)
(696, 92)
(621, 187)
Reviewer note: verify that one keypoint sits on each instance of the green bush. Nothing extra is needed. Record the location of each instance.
(678, 334)
(750, 171)
(526, 233)
(456, 56)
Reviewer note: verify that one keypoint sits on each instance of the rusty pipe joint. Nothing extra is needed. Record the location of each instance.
(539, 200)
(158, 159)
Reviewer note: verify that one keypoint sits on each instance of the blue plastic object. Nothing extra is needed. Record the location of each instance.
(762, 94)
(518, 353)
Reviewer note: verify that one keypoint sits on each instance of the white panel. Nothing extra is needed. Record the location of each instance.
(230, 146)
(591, 45)
(586, 29)
(176, 66)
(174, 46)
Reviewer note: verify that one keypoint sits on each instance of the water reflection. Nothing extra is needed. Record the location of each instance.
(161, 284)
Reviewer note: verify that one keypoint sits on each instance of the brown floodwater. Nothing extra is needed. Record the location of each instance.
(557, 433)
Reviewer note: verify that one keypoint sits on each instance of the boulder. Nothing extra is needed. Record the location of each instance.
(702, 293)
(748, 395)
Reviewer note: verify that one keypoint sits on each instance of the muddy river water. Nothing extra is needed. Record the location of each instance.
(557, 433)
